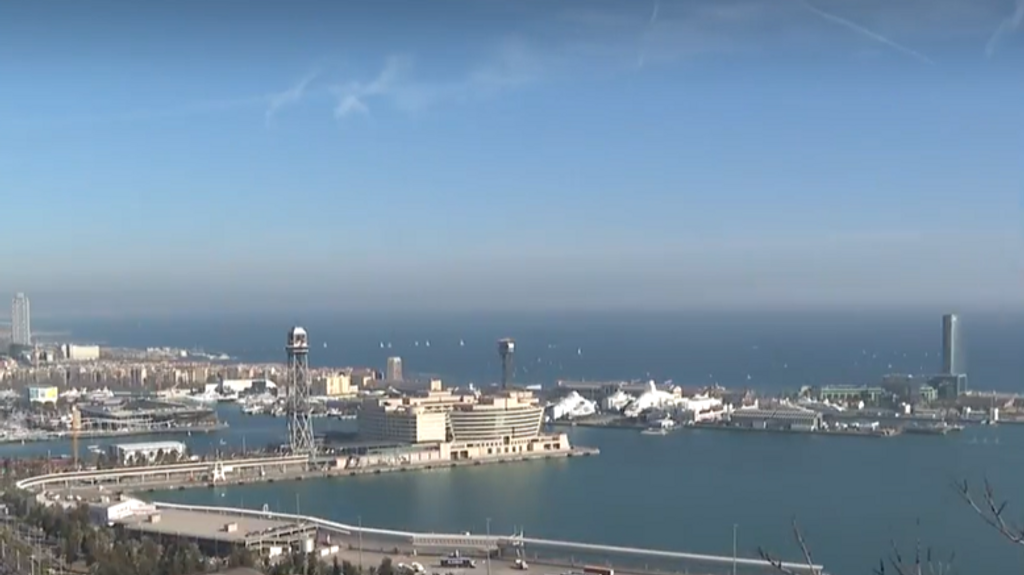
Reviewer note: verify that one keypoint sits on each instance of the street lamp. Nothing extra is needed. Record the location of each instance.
(488, 546)
(735, 528)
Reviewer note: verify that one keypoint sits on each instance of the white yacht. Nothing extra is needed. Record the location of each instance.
(172, 393)
(101, 394)
(204, 398)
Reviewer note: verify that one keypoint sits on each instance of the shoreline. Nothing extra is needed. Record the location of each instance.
(882, 433)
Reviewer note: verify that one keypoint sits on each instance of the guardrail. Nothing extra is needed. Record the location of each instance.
(107, 474)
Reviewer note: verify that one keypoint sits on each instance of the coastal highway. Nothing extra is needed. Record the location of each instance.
(432, 564)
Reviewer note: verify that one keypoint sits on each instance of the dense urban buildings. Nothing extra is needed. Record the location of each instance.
(21, 321)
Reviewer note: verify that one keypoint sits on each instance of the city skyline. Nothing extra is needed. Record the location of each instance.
(688, 155)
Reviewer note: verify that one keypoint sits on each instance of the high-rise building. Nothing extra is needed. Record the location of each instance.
(21, 322)
(952, 361)
(393, 372)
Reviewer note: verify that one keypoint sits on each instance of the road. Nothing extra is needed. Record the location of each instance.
(432, 563)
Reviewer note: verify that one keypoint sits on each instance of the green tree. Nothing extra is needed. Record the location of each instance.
(72, 543)
(241, 557)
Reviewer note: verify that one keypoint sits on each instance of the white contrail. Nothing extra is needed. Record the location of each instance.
(869, 34)
(642, 56)
(1011, 23)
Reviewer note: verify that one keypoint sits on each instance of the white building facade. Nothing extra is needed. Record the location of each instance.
(21, 321)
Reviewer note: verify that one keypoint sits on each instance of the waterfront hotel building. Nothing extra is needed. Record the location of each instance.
(468, 426)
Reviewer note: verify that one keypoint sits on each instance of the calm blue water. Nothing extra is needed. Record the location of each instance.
(682, 491)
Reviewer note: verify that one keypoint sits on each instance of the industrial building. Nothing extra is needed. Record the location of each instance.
(846, 394)
(148, 452)
(781, 418)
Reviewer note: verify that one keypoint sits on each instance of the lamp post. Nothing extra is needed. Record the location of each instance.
(735, 528)
(359, 520)
(488, 544)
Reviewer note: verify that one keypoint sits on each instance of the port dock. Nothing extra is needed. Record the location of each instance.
(220, 529)
(261, 470)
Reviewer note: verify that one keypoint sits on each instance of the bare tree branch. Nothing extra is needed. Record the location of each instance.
(777, 563)
(990, 511)
(774, 562)
(799, 536)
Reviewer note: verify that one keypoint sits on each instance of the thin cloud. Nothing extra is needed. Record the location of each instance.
(868, 33)
(1007, 26)
(352, 97)
(395, 84)
(275, 102)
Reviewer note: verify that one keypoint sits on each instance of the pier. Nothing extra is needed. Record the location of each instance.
(259, 470)
(267, 532)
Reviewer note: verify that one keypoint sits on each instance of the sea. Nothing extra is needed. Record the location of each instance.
(852, 497)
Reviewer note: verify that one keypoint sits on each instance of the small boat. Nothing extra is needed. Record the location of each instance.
(655, 431)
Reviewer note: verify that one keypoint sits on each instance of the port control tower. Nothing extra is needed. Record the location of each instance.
(300, 410)
(506, 349)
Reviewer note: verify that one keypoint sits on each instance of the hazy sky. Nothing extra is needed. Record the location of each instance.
(197, 155)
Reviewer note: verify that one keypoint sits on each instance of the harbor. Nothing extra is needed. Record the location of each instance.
(218, 530)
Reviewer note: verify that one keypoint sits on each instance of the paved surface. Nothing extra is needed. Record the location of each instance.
(203, 525)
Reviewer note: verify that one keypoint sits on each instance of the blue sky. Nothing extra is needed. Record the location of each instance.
(512, 154)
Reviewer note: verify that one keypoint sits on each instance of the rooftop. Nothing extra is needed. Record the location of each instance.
(203, 525)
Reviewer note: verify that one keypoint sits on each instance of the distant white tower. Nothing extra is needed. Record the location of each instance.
(952, 354)
(300, 410)
(21, 321)
(393, 371)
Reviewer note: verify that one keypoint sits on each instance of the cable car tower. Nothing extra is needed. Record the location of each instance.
(300, 410)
